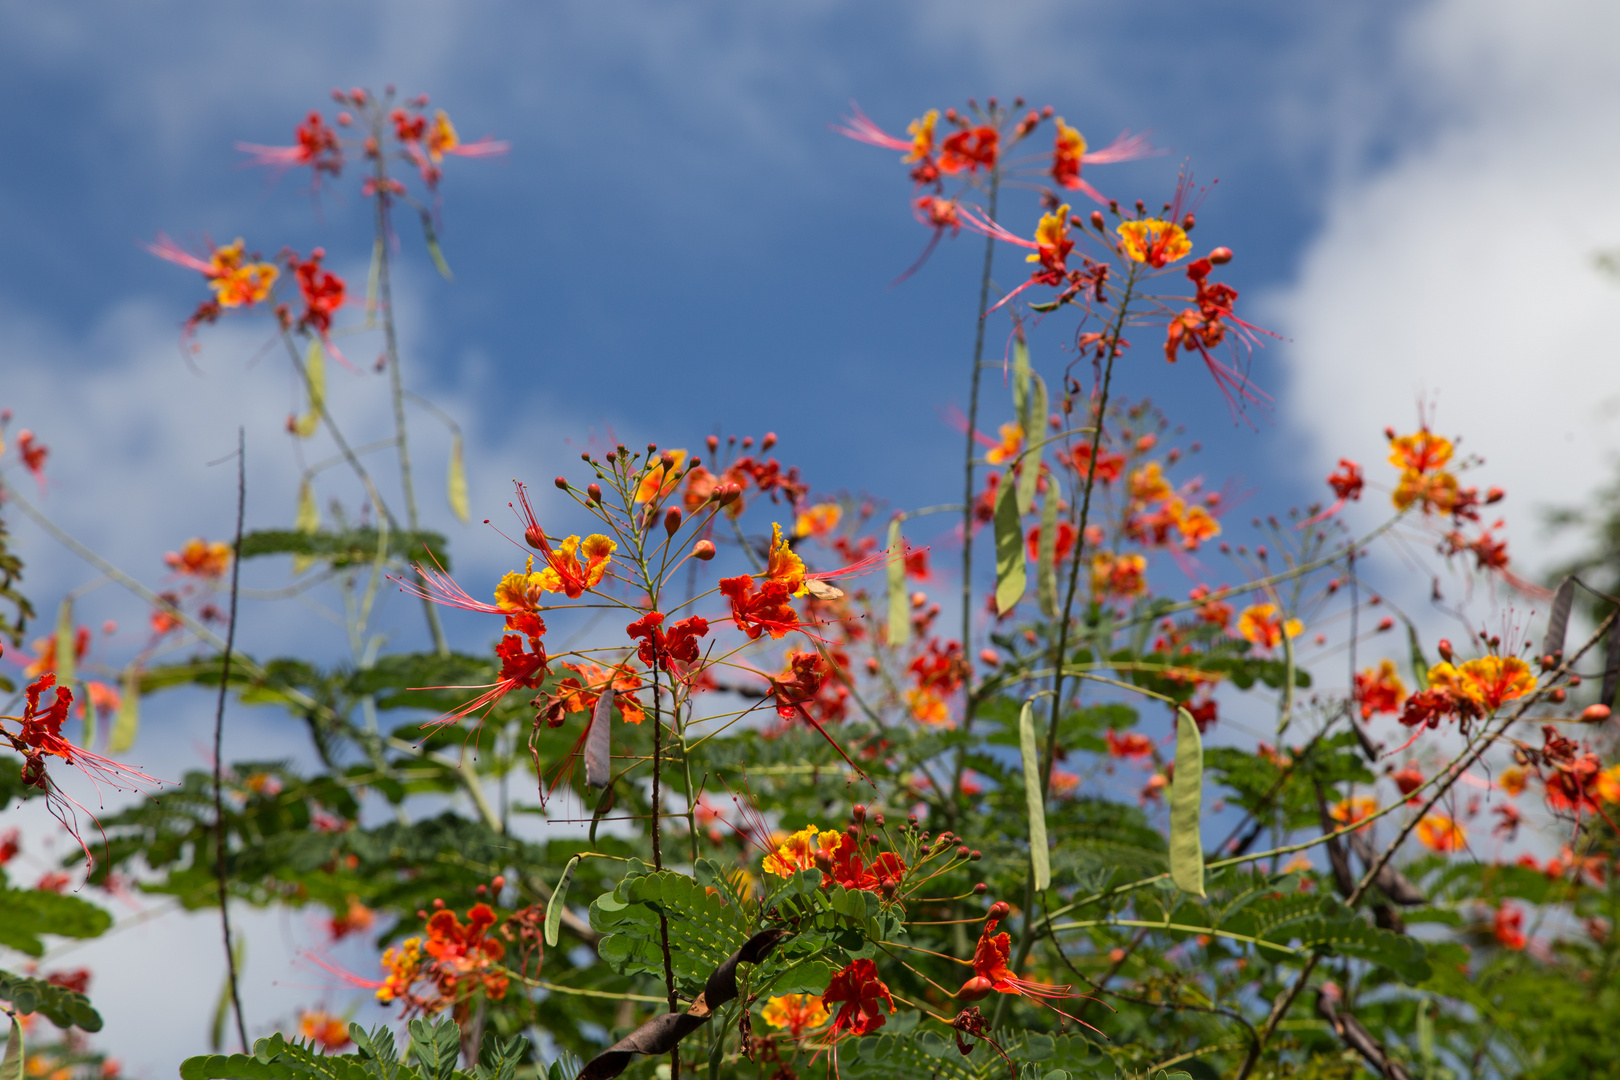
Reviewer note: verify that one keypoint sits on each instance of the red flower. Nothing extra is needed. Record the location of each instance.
(860, 995)
(767, 610)
(323, 292)
(850, 869)
(1131, 746)
(33, 456)
(1065, 542)
(674, 649)
(1508, 928)
(970, 150)
(317, 147)
(990, 964)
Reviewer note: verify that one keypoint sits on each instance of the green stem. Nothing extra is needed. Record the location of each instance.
(396, 383)
(1026, 938)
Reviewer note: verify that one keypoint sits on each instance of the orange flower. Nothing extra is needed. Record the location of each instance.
(1131, 745)
(567, 575)
(799, 851)
(1354, 810)
(1154, 242)
(1422, 457)
(1606, 785)
(1122, 576)
(319, 1026)
(1263, 625)
(1488, 682)
(1012, 441)
(45, 653)
(1052, 243)
(1196, 525)
(928, 706)
(861, 997)
(1440, 833)
(400, 965)
(782, 565)
(1513, 780)
(1069, 156)
(818, 520)
(922, 136)
(201, 559)
(659, 482)
(355, 919)
(1380, 691)
(1148, 484)
(796, 1012)
(766, 610)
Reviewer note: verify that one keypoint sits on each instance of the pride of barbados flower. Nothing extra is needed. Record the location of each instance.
(1069, 154)
(862, 998)
(797, 1013)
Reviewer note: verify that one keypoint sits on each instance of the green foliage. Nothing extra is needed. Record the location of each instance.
(430, 1054)
(59, 1005)
(25, 914)
(703, 928)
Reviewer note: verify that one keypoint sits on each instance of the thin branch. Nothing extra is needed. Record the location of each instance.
(221, 871)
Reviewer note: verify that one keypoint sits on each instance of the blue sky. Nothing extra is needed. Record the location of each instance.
(1414, 192)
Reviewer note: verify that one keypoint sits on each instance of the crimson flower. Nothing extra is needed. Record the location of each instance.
(859, 995)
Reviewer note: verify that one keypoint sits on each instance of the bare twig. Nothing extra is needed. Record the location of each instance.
(221, 871)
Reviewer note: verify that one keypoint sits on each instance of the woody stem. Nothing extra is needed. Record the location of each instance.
(396, 382)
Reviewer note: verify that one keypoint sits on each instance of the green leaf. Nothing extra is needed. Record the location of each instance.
(1046, 552)
(27, 913)
(127, 723)
(1420, 665)
(456, 482)
(1020, 376)
(307, 521)
(1186, 805)
(432, 239)
(1040, 855)
(1034, 424)
(703, 929)
(559, 901)
(1010, 576)
(899, 631)
(64, 643)
(13, 1064)
(315, 376)
(61, 1006)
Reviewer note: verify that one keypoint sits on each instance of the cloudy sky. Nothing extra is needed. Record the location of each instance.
(1416, 193)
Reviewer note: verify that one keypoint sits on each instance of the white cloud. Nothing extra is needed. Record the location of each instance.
(1459, 266)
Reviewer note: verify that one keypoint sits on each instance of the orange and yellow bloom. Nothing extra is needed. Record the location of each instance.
(796, 1012)
(1440, 833)
(1154, 242)
(1263, 625)
(1488, 682)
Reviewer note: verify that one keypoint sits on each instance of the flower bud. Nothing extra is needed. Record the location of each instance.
(1444, 645)
(975, 855)
(1558, 695)
(1494, 495)
(672, 520)
(586, 456)
(703, 550)
(562, 483)
(1548, 663)
(767, 442)
(824, 861)
(667, 461)
(975, 989)
(1220, 256)
(888, 886)
(878, 821)
(963, 852)
(535, 538)
(714, 444)
(858, 811)
(595, 492)
(499, 882)
(990, 657)
(1574, 680)
(481, 890)
(1097, 220)
(1595, 714)
(854, 832)
(980, 889)
(999, 910)
(1187, 222)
